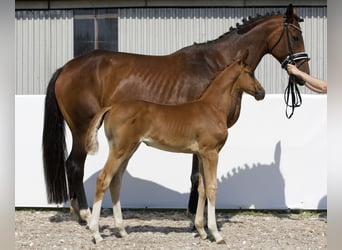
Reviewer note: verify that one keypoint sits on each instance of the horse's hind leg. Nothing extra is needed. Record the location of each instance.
(193, 198)
(75, 173)
(115, 187)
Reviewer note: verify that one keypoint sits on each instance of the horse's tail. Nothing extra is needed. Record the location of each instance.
(91, 144)
(54, 147)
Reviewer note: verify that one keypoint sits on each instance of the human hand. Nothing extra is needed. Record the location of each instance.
(293, 70)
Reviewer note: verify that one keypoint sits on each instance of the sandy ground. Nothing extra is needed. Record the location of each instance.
(171, 229)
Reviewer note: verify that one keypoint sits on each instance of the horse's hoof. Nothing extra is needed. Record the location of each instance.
(190, 215)
(85, 215)
(75, 212)
(82, 222)
(74, 208)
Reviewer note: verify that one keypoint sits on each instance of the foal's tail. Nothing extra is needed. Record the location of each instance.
(91, 144)
(54, 147)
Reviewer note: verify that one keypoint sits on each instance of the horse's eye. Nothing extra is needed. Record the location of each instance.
(296, 38)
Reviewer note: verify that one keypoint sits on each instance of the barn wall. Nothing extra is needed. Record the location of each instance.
(44, 39)
(44, 42)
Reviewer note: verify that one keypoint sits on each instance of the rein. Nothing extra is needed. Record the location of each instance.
(293, 92)
(292, 89)
(292, 95)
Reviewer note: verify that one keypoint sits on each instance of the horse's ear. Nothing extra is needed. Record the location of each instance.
(290, 13)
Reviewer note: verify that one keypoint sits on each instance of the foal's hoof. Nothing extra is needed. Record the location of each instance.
(221, 242)
(203, 236)
(97, 238)
(123, 233)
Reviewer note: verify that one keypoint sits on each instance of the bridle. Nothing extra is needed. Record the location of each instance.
(292, 58)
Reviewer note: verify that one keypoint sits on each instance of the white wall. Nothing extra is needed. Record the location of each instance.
(268, 162)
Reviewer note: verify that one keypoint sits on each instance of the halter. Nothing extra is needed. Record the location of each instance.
(292, 88)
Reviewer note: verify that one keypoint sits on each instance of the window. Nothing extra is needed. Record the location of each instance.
(95, 29)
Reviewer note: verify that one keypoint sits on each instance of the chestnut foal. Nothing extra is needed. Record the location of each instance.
(198, 127)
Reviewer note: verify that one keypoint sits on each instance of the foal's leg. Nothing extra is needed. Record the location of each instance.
(115, 187)
(210, 161)
(199, 218)
(103, 180)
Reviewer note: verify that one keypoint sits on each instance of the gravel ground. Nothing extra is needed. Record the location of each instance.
(171, 229)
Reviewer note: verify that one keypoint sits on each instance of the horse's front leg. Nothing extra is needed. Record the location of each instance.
(115, 187)
(210, 161)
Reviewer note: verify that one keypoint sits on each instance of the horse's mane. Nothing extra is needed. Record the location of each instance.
(247, 25)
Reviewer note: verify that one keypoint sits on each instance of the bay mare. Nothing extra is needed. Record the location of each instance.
(198, 127)
(86, 84)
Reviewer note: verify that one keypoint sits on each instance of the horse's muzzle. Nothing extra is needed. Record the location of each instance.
(259, 94)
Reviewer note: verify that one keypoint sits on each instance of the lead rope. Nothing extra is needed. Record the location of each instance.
(291, 89)
(292, 97)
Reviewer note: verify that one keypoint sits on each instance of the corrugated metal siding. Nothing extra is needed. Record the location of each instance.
(44, 42)
(159, 31)
(44, 39)
(315, 37)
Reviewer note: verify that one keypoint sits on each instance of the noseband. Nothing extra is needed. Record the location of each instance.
(292, 58)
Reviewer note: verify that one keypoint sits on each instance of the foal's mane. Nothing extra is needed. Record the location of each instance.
(247, 24)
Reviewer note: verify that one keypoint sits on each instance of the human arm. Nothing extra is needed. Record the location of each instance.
(313, 83)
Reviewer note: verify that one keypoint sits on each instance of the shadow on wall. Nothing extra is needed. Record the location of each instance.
(259, 186)
(323, 203)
